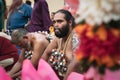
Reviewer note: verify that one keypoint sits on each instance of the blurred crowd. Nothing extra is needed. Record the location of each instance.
(80, 41)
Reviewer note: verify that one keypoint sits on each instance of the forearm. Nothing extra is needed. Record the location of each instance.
(18, 65)
(18, 74)
(26, 25)
(71, 68)
(16, 68)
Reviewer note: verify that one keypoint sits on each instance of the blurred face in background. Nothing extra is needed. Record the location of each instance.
(23, 43)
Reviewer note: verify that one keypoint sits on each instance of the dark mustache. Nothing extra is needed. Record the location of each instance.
(57, 28)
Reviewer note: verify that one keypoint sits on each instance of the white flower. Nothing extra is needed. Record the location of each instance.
(98, 11)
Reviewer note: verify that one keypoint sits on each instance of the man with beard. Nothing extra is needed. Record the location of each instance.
(32, 46)
(59, 52)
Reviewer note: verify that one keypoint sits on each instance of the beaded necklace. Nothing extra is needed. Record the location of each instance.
(28, 54)
(58, 58)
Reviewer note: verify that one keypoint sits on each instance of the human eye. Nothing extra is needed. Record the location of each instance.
(59, 21)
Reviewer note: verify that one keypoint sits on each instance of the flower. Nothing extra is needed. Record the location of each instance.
(98, 28)
(96, 12)
(96, 46)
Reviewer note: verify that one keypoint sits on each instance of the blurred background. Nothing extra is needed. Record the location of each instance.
(53, 4)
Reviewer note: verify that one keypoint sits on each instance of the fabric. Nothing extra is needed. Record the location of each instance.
(5, 35)
(8, 50)
(4, 75)
(20, 17)
(112, 75)
(75, 41)
(40, 19)
(44, 72)
(6, 62)
(2, 10)
(29, 72)
(93, 74)
(75, 76)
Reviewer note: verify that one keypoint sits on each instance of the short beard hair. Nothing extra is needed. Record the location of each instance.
(63, 31)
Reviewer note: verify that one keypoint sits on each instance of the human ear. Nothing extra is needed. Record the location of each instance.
(25, 37)
(70, 22)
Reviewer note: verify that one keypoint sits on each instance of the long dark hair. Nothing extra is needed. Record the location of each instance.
(15, 4)
(35, 1)
(5, 9)
(68, 16)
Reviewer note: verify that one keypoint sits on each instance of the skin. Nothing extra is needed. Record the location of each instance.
(73, 66)
(37, 43)
(60, 22)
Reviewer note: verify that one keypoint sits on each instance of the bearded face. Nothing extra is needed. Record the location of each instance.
(61, 32)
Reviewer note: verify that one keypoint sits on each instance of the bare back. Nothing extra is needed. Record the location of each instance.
(39, 44)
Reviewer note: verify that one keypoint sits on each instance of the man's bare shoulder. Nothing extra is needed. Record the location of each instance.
(40, 39)
(38, 36)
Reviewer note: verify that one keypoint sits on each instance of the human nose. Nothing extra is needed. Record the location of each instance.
(56, 24)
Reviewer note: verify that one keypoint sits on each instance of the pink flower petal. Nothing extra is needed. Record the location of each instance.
(45, 71)
(29, 72)
(75, 76)
(3, 74)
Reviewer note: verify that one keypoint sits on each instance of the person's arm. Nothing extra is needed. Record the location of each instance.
(71, 58)
(16, 75)
(14, 71)
(17, 67)
(39, 47)
(27, 14)
(27, 24)
(71, 67)
(48, 50)
(5, 9)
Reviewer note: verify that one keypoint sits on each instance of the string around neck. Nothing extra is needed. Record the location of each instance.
(66, 42)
